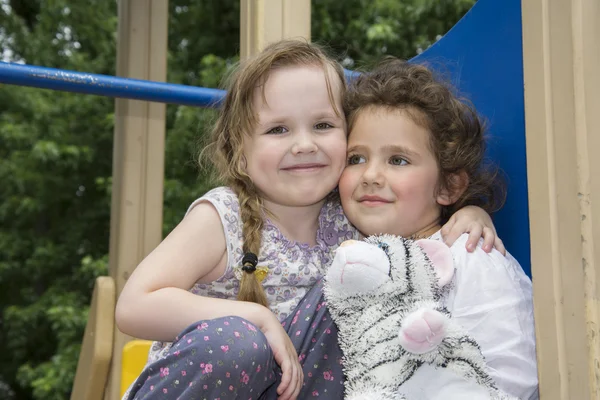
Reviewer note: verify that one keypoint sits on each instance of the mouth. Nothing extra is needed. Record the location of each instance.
(309, 167)
(373, 201)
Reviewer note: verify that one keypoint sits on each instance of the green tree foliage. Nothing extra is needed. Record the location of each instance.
(56, 152)
(362, 31)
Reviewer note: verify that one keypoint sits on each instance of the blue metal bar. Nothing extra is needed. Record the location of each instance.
(110, 86)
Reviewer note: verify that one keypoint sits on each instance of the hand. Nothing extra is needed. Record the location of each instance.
(477, 223)
(286, 357)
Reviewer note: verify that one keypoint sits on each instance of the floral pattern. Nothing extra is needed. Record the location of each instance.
(294, 267)
(230, 358)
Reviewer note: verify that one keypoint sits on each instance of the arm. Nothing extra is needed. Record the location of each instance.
(492, 300)
(155, 303)
(477, 223)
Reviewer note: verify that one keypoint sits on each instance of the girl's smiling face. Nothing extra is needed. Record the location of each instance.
(390, 184)
(297, 151)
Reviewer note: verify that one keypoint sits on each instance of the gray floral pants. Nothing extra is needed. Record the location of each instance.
(229, 358)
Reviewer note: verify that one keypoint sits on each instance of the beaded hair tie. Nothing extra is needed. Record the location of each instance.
(249, 262)
(249, 266)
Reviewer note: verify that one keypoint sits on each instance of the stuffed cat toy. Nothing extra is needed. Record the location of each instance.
(384, 295)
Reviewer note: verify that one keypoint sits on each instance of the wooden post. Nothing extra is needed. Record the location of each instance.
(138, 158)
(97, 346)
(562, 104)
(266, 21)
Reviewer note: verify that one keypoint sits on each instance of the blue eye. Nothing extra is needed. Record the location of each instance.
(354, 159)
(278, 130)
(397, 160)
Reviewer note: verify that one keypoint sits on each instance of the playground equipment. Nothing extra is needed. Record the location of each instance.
(497, 49)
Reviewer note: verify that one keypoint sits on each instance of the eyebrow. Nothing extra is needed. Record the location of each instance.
(390, 148)
(275, 118)
(327, 114)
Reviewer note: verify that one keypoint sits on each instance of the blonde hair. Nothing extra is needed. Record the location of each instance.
(236, 120)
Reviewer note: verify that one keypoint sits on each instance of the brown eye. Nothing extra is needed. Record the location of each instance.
(277, 130)
(323, 125)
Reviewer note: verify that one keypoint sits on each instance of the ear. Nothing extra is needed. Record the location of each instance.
(457, 185)
(441, 258)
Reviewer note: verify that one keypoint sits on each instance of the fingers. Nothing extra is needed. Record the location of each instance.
(289, 393)
(499, 245)
(491, 240)
(300, 382)
(286, 377)
(476, 228)
(474, 235)
(294, 378)
(297, 383)
(488, 239)
(450, 233)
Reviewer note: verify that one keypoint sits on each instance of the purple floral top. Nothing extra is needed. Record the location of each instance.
(293, 267)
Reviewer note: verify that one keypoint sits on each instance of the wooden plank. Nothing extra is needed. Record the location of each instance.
(97, 346)
(562, 99)
(138, 158)
(266, 21)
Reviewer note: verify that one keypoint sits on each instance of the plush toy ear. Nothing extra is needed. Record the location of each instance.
(441, 257)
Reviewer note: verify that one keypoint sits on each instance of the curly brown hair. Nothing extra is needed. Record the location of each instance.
(235, 122)
(457, 133)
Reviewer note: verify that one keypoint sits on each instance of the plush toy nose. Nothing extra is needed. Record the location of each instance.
(422, 331)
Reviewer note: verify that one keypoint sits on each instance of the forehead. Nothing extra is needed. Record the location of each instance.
(377, 125)
(294, 85)
(380, 113)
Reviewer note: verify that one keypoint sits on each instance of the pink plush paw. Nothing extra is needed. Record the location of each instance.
(422, 331)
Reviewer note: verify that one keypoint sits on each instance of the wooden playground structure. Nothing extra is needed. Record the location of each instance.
(561, 73)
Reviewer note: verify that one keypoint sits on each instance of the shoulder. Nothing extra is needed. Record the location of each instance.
(225, 207)
(479, 256)
(492, 299)
(209, 220)
(219, 197)
(217, 211)
(202, 216)
(333, 206)
(490, 276)
(332, 219)
(491, 273)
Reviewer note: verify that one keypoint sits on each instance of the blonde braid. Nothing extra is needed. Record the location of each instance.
(251, 211)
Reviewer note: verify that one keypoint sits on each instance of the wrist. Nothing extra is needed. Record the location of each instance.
(260, 315)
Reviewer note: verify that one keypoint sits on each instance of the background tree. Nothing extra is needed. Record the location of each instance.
(56, 152)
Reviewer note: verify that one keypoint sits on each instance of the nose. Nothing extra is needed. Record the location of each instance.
(372, 174)
(304, 143)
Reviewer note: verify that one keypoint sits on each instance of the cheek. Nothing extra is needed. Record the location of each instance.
(418, 188)
(264, 156)
(337, 151)
(347, 184)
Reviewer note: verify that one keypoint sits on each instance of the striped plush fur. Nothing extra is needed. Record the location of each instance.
(373, 288)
